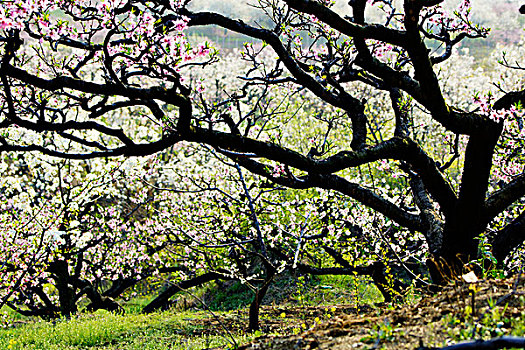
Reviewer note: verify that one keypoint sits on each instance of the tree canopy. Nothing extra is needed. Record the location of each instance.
(91, 79)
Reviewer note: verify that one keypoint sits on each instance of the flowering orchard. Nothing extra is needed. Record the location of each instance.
(69, 233)
(83, 231)
(94, 228)
(379, 126)
(228, 225)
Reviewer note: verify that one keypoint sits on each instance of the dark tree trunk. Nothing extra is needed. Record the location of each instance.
(66, 292)
(466, 221)
(459, 247)
(253, 323)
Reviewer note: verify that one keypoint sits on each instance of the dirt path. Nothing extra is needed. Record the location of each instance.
(461, 311)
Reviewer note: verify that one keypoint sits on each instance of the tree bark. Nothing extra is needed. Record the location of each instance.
(66, 292)
(253, 323)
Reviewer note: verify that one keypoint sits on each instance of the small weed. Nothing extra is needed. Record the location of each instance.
(382, 332)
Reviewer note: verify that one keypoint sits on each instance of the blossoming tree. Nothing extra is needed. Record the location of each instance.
(77, 76)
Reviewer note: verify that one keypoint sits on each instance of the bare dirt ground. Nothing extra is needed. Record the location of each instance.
(480, 310)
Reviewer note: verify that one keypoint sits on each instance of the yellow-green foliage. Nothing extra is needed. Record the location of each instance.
(111, 332)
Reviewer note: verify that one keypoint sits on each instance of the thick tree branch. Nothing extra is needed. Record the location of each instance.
(510, 99)
(43, 125)
(342, 100)
(400, 108)
(499, 200)
(109, 89)
(161, 300)
(509, 238)
(136, 150)
(395, 148)
(334, 182)
(370, 199)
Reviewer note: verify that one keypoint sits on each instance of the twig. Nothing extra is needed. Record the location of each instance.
(233, 341)
(299, 244)
(253, 212)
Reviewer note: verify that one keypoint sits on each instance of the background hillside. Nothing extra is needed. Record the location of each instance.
(502, 17)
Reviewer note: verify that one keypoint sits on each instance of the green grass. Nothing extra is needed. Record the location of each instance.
(335, 290)
(178, 329)
(103, 330)
(312, 291)
(232, 298)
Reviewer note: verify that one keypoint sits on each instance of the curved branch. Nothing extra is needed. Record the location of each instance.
(135, 150)
(510, 99)
(395, 148)
(365, 31)
(337, 183)
(162, 299)
(449, 45)
(42, 125)
(370, 199)
(344, 101)
(109, 89)
(501, 199)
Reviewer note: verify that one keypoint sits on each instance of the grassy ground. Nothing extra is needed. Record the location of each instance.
(335, 313)
(328, 313)
(167, 330)
(291, 308)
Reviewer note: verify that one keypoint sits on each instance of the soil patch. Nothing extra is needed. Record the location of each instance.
(461, 311)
